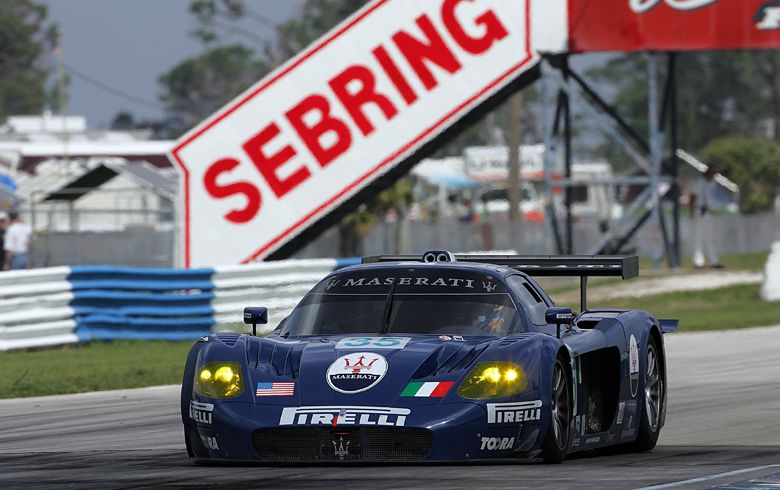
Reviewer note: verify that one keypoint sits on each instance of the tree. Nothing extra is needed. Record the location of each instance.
(199, 86)
(318, 17)
(753, 164)
(719, 93)
(24, 42)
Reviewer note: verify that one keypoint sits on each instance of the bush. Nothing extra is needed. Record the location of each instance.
(753, 164)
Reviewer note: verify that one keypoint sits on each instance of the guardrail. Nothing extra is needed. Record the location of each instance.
(62, 305)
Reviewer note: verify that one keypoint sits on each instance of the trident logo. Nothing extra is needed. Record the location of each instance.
(359, 366)
(341, 450)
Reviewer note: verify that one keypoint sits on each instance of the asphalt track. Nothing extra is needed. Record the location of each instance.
(723, 430)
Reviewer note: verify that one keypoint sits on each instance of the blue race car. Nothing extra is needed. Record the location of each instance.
(437, 357)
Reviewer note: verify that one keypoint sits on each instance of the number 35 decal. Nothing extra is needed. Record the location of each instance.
(373, 342)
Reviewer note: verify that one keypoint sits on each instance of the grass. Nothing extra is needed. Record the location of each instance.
(94, 366)
(717, 309)
(754, 261)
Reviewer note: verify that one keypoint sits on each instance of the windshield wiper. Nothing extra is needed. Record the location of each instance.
(388, 310)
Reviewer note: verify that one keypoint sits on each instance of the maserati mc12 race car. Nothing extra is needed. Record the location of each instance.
(438, 357)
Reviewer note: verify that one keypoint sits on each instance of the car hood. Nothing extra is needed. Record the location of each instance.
(325, 372)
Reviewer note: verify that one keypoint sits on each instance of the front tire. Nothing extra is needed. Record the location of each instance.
(556, 438)
(653, 399)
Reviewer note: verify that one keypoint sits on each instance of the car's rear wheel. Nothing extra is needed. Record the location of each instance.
(653, 399)
(556, 439)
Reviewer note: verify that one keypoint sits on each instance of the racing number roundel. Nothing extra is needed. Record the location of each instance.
(356, 372)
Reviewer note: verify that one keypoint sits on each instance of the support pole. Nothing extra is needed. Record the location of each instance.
(583, 293)
(567, 155)
(551, 116)
(515, 141)
(656, 150)
(675, 163)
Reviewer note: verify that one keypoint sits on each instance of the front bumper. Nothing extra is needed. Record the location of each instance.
(238, 431)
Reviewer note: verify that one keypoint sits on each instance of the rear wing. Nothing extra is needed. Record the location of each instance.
(582, 266)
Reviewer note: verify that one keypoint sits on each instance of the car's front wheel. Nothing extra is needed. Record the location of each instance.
(556, 439)
(652, 400)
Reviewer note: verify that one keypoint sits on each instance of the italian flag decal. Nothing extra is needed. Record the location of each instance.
(429, 389)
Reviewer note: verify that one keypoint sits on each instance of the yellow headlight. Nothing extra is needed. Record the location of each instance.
(219, 380)
(493, 380)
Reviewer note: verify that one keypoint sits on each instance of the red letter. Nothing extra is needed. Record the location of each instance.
(395, 75)
(416, 52)
(354, 100)
(311, 134)
(250, 192)
(268, 165)
(494, 30)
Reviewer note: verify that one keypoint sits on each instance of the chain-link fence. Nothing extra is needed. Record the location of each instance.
(122, 226)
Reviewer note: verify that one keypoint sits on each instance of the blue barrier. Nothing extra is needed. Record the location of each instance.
(133, 303)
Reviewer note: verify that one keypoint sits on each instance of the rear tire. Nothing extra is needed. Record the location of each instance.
(557, 435)
(653, 399)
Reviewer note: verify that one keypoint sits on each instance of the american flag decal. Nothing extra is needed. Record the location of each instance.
(275, 389)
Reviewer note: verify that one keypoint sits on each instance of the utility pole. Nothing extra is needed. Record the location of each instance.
(515, 139)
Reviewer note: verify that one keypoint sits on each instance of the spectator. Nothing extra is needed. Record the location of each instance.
(17, 243)
(3, 227)
(704, 199)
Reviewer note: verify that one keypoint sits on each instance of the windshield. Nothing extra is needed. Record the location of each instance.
(416, 301)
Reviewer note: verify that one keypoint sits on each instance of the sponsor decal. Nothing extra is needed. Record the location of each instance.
(373, 342)
(445, 337)
(768, 16)
(633, 364)
(488, 286)
(356, 372)
(205, 338)
(428, 389)
(642, 6)
(275, 389)
(341, 450)
(506, 413)
(458, 338)
(201, 412)
(383, 416)
(621, 411)
(210, 442)
(496, 443)
(592, 440)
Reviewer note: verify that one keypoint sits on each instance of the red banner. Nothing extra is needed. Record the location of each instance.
(673, 25)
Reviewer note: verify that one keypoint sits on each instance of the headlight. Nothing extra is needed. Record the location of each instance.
(493, 380)
(219, 380)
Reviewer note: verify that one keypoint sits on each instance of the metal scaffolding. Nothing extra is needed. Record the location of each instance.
(656, 163)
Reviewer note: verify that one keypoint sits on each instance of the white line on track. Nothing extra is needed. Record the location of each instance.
(708, 477)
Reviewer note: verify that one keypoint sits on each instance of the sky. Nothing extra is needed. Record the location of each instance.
(125, 45)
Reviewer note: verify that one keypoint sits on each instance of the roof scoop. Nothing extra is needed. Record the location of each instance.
(438, 256)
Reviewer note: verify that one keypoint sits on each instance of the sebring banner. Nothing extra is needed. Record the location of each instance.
(673, 25)
(347, 110)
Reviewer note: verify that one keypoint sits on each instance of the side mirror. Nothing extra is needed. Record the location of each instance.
(254, 315)
(559, 316)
